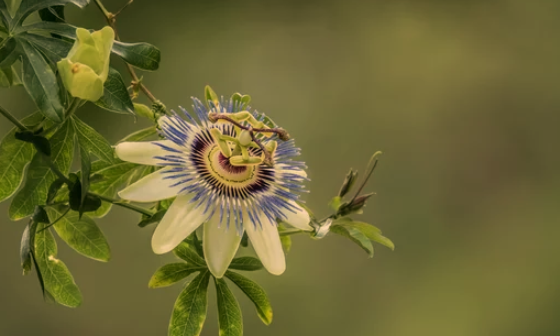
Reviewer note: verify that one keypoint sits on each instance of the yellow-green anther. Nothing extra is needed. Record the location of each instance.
(239, 161)
(86, 67)
(245, 138)
(222, 143)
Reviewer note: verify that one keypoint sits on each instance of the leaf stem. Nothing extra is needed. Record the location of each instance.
(129, 206)
(73, 107)
(112, 21)
(13, 119)
(290, 232)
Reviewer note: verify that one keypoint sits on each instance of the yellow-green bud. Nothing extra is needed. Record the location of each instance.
(143, 111)
(85, 69)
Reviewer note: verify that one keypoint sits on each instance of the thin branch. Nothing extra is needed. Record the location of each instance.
(282, 134)
(290, 232)
(112, 20)
(13, 119)
(56, 220)
(123, 7)
(129, 206)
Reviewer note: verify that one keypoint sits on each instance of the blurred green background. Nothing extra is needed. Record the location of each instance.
(462, 97)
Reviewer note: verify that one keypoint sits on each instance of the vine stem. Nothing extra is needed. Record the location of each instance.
(290, 232)
(129, 206)
(13, 119)
(112, 21)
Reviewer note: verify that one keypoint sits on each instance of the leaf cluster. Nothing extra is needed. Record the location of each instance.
(189, 312)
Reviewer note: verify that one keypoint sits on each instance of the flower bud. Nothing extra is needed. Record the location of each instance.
(143, 111)
(348, 182)
(86, 67)
(354, 206)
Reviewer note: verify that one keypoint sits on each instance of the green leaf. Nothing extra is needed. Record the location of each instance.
(85, 165)
(54, 188)
(229, 312)
(156, 218)
(141, 55)
(246, 264)
(116, 175)
(15, 155)
(29, 6)
(56, 277)
(40, 176)
(54, 14)
(93, 142)
(83, 235)
(141, 135)
(255, 293)
(115, 95)
(171, 274)
(9, 77)
(25, 248)
(188, 253)
(189, 312)
(356, 236)
(370, 231)
(9, 52)
(41, 84)
(53, 48)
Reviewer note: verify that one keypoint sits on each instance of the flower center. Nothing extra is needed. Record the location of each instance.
(221, 169)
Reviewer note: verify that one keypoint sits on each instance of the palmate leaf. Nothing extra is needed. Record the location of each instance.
(9, 77)
(57, 279)
(40, 82)
(189, 312)
(246, 264)
(188, 253)
(229, 312)
(14, 156)
(255, 293)
(40, 176)
(171, 273)
(92, 141)
(83, 235)
(115, 95)
(29, 6)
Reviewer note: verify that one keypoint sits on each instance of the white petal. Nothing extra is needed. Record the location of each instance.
(266, 242)
(220, 245)
(296, 171)
(143, 152)
(300, 219)
(152, 188)
(180, 221)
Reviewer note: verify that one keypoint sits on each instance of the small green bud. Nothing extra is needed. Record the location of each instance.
(86, 67)
(348, 183)
(354, 206)
(144, 111)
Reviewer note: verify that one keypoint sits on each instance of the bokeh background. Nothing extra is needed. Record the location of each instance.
(462, 97)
